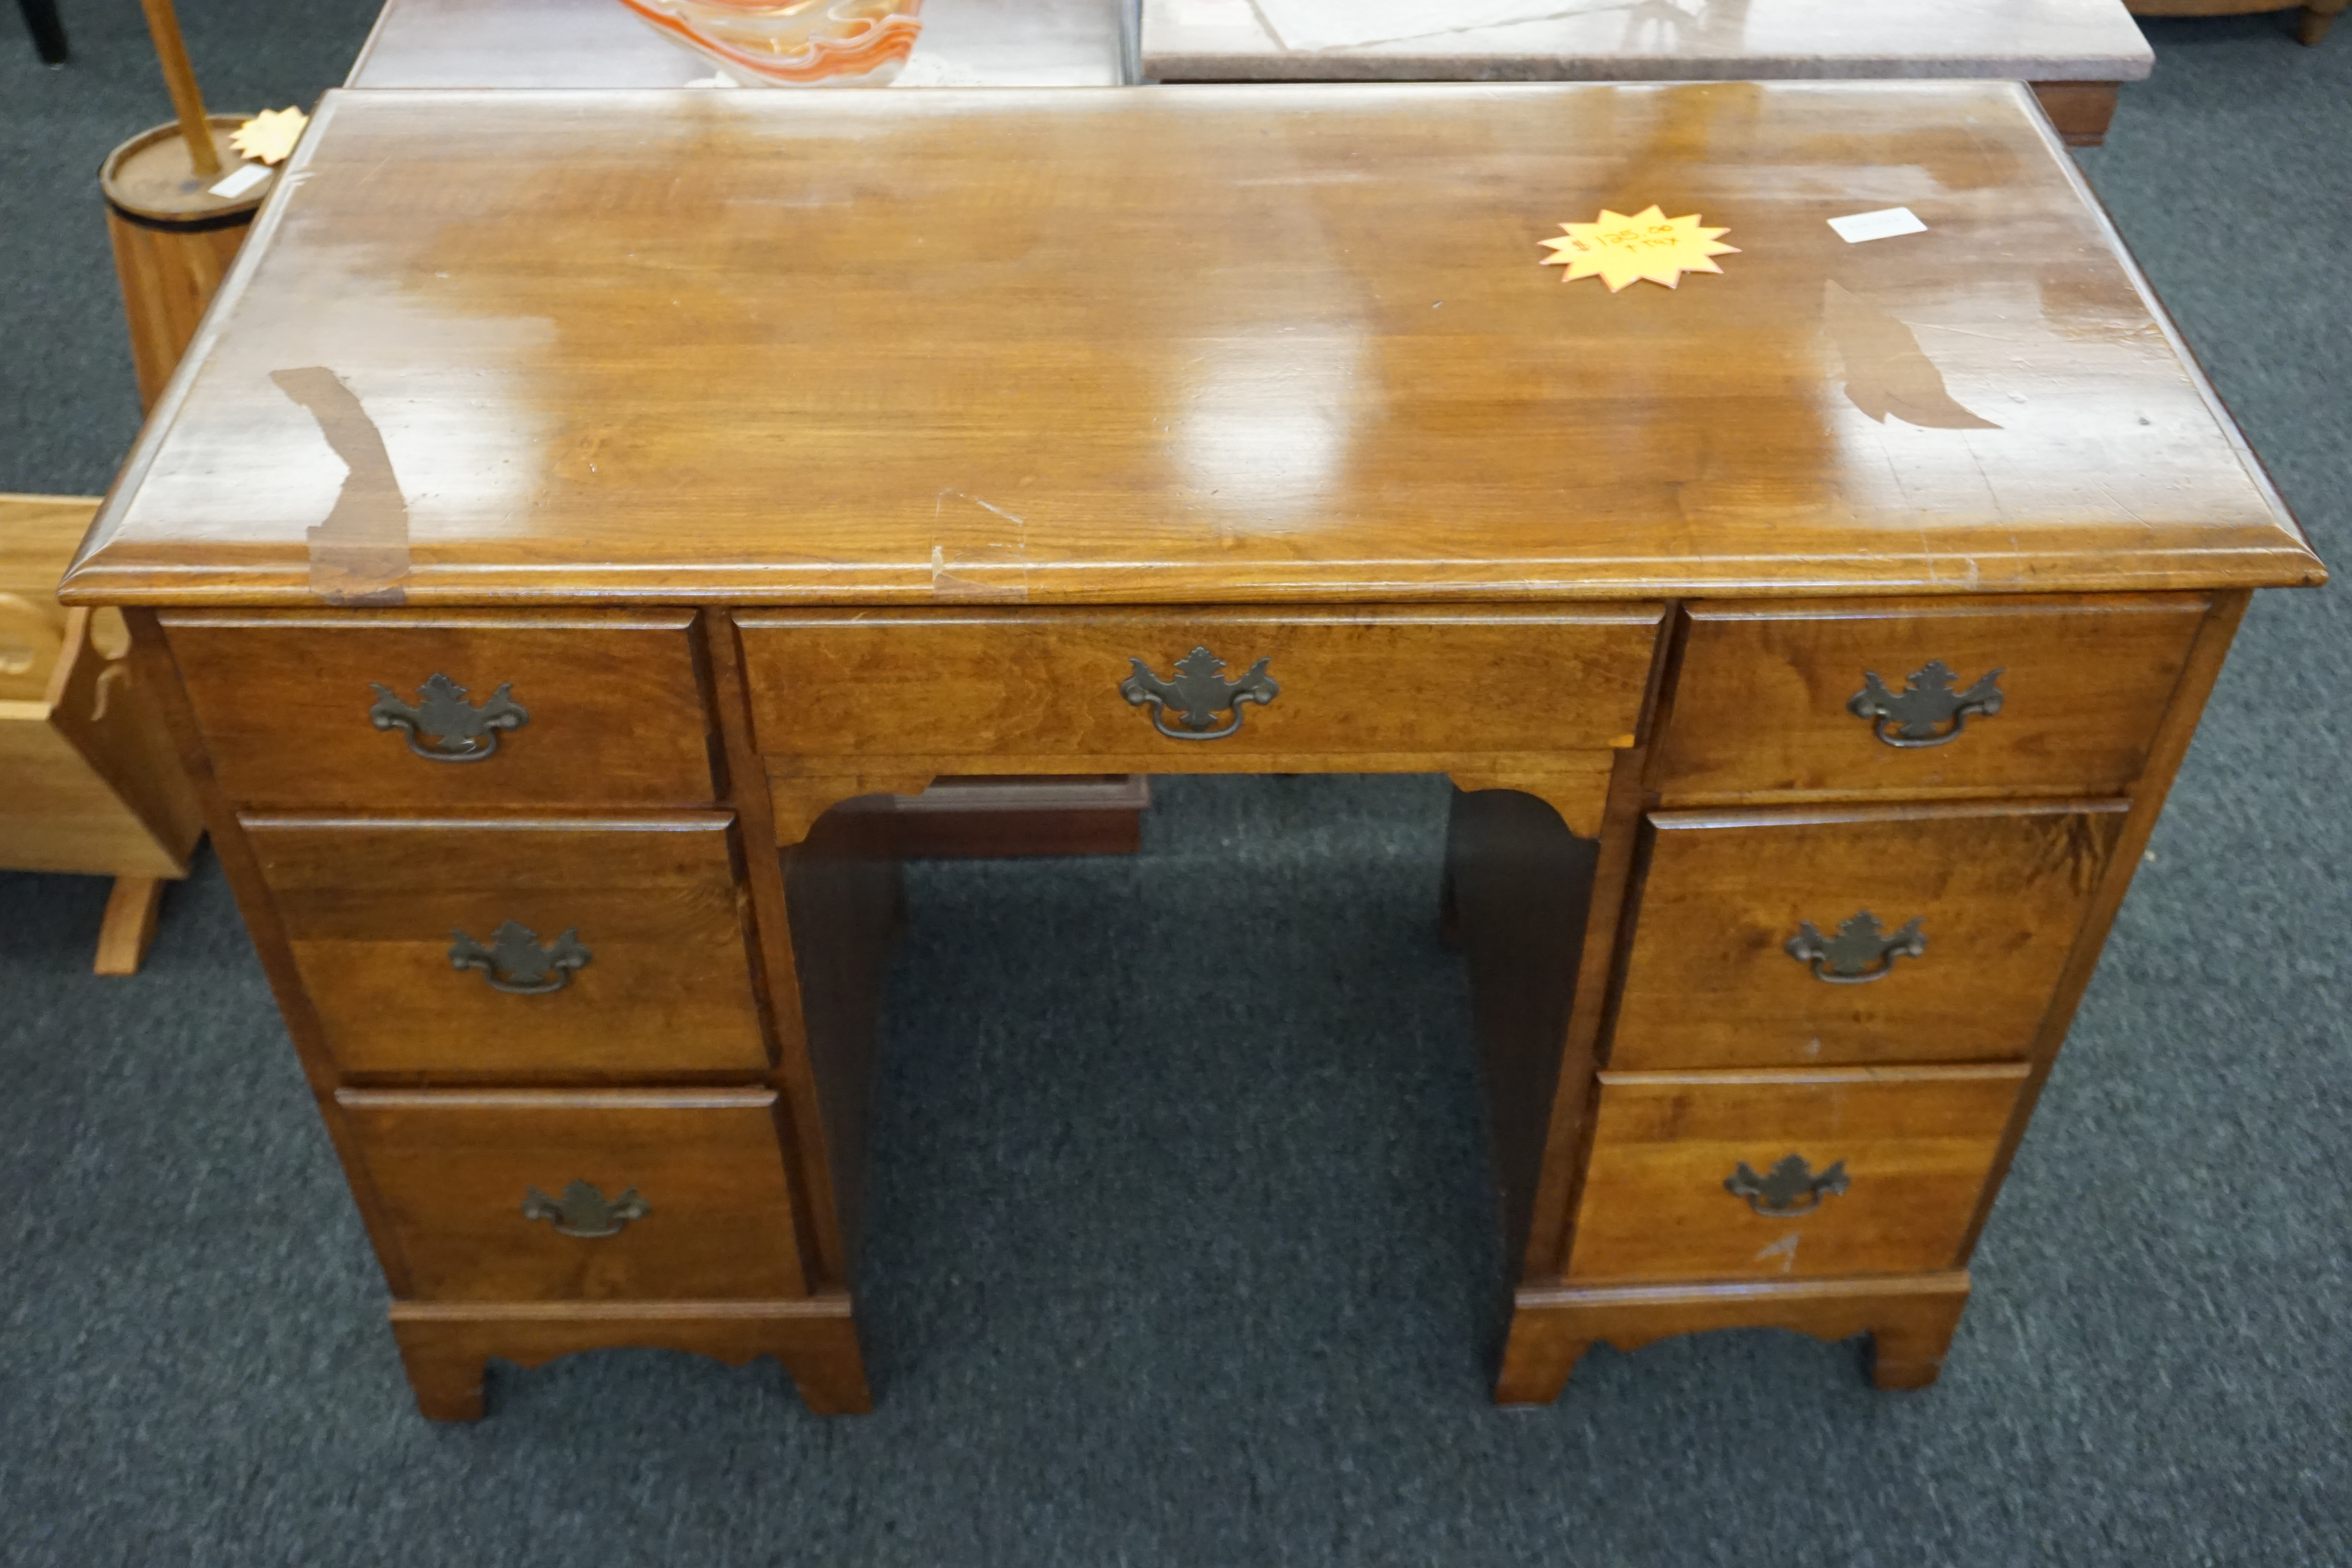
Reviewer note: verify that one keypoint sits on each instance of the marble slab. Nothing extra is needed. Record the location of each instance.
(599, 44)
(1638, 40)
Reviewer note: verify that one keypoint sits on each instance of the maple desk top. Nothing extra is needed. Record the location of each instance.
(1175, 345)
(1609, 40)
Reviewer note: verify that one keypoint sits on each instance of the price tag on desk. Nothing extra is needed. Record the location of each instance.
(1884, 224)
(1618, 250)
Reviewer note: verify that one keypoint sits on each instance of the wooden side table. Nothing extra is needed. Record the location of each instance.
(1812, 643)
(597, 44)
(89, 783)
(2073, 52)
(2310, 25)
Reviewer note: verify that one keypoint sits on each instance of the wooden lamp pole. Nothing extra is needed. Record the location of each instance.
(173, 235)
(180, 79)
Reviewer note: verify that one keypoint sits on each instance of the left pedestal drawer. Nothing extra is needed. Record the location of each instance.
(468, 950)
(454, 711)
(584, 1196)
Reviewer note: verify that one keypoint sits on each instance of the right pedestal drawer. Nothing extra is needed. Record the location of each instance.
(2052, 695)
(1767, 1175)
(1854, 934)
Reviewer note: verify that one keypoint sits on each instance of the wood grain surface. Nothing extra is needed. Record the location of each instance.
(2000, 891)
(1194, 345)
(615, 705)
(371, 908)
(1759, 706)
(89, 781)
(887, 684)
(453, 1170)
(1917, 1143)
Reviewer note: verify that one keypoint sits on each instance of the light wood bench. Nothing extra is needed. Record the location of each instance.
(89, 780)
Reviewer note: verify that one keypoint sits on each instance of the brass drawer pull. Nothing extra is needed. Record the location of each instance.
(1915, 717)
(460, 732)
(1198, 694)
(1859, 954)
(517, 963)
(1789, 1189)
(583, 1210)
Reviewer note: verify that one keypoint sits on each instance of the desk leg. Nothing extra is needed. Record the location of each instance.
(448, 1346)
(2316, 19)
(1519, 887)
(1535, 870)
(1910, 1319)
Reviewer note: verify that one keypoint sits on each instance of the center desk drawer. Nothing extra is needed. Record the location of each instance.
(1855, 935)
(581, 1198)
(454, 710)
(473, 950)
(1381, 682)
(1762, 1175)
(1962, 696)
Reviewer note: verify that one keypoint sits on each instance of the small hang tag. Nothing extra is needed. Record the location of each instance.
(241, 181)
(1882, 225)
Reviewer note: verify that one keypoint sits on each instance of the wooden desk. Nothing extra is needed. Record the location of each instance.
(740, 454)
(2074, 52)
(526, 44)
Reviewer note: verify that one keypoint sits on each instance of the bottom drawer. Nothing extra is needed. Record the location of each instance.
(583, 1196)
(1733, 1175)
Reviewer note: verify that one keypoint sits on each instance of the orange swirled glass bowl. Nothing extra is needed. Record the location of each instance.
(838, 43)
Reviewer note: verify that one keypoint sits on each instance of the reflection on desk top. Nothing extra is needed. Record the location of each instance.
(1176, 344)
(598, 42)
(1651, 40)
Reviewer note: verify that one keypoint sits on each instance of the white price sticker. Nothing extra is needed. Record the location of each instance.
(242, 181)
(1883, 225)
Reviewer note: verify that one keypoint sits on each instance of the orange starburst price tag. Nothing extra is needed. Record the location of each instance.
(1618, 250)
(270, 136)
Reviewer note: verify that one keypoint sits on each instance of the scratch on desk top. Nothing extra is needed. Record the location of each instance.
(360, 554)
(1886, 370)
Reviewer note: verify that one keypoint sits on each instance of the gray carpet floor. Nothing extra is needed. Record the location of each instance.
(1164, 1278)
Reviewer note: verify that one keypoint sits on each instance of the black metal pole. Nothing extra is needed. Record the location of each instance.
(48, 33)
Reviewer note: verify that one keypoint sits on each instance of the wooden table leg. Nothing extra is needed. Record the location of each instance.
(129, 928)
(2078, 110)
(2316, 19)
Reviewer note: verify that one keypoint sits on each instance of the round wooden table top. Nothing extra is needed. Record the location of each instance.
(153, 178)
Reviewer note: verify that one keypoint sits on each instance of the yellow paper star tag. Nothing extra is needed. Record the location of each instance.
(270, 135)
(1618, 249)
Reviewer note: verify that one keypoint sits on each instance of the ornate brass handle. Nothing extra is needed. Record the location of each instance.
(1789, 1189)
(460, 732)
(517, 963)
(1197, 694)
(1916, 716)
(1859, 954)
(583, 1210)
